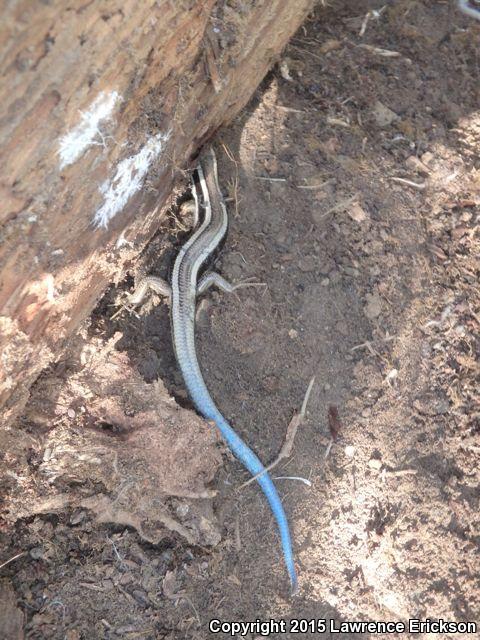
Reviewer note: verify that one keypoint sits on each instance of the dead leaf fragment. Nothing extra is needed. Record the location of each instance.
(169, 585)
(330, 45)
(357, 213)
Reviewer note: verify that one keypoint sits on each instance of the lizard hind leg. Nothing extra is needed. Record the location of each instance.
(150, 282)
(215, 279)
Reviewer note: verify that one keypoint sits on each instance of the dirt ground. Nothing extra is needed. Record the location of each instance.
(353, 186)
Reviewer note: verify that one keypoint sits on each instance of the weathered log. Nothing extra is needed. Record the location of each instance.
(102, 104)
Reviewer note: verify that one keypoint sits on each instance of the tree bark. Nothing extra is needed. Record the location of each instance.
(102, 104)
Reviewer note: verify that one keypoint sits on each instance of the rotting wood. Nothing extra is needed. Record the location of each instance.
(102, 105)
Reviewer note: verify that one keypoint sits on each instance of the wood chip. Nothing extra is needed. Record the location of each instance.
(334, 422)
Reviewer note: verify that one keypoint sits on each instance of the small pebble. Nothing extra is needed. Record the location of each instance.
(77, 517)
(37, 552)
(125, 579)
(460, 330)
(383, 115)
(182, 510)
(373, 307)
(141, 597)
(392, 374)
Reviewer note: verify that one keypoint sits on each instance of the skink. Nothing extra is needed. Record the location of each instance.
(183, 291)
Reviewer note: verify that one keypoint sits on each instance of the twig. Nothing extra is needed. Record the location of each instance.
(288, 109)
(310, 53)
(305, 400)
(270, 179)
(19, 555)
(304, 480)
(187, 599)
(124, 307)
(338, 122)
(374, 13)
(340, 206)
(234, 182)
(179, 221)
(401, 472)
(329, 447)
(385, 53)
(415, 185)
(238, 539)
(119, 557)
(316, 186)
(95, 587)
(286, 450)
(368, 343)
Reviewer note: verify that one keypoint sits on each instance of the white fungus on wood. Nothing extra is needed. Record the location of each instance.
(128, 179)
(75, 142)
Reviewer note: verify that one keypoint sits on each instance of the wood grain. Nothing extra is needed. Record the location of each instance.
(167, 75)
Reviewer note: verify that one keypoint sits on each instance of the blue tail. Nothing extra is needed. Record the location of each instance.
(246, 456)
